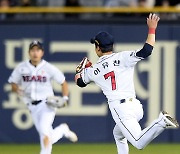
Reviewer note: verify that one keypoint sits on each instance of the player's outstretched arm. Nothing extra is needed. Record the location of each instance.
(152, 22)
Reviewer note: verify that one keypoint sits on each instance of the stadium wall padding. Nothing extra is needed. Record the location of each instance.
(157, 79)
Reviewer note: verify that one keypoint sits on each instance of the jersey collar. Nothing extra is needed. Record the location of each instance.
(38, 66)
(102, 58)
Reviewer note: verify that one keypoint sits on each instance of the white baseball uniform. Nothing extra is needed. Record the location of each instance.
(114, 75)
(36, 84)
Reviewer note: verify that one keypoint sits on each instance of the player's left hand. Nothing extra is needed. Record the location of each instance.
(83, 64)
(57, 101)
(66, 100)
(152, 21)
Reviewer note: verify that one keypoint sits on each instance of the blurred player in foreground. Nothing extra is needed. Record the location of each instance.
(32, 81)
(113, 73)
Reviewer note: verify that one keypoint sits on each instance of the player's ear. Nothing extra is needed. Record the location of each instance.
(42, 52)
(98, 48)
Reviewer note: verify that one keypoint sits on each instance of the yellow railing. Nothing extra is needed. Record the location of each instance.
(89, 10)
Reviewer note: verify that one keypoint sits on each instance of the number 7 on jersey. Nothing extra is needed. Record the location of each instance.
(113, 81)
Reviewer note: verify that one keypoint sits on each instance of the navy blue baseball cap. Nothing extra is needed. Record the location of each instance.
(36, 43)
(103, 39)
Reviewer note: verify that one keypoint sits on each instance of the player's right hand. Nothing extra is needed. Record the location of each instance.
(20, 92)
(152, 21)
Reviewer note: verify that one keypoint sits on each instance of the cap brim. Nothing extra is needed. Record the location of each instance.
(92, 41)
(40, 47)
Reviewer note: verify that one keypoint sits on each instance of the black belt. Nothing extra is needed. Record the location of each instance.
(36, 102)
(124, 100)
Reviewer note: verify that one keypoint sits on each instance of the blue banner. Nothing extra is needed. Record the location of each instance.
(156, 78)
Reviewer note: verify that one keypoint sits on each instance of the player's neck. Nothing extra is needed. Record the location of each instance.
(34, 63)
(107, 53)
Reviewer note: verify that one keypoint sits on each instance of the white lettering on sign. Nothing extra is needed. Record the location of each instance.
(160, 68)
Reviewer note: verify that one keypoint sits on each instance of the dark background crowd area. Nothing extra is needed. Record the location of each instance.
(85, 3)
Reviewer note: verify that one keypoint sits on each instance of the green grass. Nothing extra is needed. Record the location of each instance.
(88, 149)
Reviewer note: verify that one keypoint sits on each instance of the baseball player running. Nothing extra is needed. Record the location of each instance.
(113, 73)
(32, 81)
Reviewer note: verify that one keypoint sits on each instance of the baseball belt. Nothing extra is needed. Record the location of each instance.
(36, 102)
(124, 100)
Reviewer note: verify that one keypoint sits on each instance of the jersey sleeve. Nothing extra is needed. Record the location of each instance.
(57, 75)
(15, 76)
(129, 58)
(87, 75)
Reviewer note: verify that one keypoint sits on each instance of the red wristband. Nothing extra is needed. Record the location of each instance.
(152, 31)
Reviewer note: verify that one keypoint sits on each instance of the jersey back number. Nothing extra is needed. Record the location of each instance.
(113, 81)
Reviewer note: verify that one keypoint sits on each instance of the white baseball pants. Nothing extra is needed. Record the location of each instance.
(127, 116)
(43, 117)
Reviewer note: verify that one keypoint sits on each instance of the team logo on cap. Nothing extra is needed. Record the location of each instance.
(35, 42)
